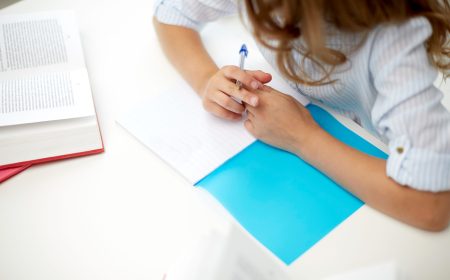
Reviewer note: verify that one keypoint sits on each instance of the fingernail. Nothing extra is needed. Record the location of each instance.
(255, 84)
(254, 101)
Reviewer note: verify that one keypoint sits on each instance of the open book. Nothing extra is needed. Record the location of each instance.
(46, 106)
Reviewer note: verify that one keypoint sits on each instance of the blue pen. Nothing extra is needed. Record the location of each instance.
(243, 52)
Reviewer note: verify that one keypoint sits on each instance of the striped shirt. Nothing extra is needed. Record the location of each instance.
(386, 86)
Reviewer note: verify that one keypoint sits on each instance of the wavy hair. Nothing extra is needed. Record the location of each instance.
(278, 24)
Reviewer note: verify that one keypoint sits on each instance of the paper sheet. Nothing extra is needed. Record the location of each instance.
(44, 41)
(42, 71)
(228, 255)
(176, 127)
(45, 97)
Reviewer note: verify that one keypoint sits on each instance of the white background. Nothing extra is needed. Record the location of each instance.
(125, 214)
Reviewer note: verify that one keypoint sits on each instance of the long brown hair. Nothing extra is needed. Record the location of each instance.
(276, 25)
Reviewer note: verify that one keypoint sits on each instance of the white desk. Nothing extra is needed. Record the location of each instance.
(125, 214)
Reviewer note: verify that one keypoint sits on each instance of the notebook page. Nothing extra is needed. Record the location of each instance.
(42, 71)
(175, 126)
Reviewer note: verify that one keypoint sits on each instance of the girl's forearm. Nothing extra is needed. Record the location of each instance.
(185, 51)
(365, 176)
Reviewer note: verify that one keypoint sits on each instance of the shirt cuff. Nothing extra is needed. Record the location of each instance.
(169, 14)
(420, 169)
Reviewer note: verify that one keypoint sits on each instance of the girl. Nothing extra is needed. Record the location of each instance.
(373, 61)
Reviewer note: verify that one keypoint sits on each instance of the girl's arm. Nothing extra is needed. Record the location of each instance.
(361, 174)
(184, 49)
(365, 177)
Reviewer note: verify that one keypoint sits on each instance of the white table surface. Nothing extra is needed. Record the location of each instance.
(125, 214)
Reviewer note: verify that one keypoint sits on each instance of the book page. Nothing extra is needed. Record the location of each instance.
(177, 128)
(39, 42)
(49, 96)
(42, 72)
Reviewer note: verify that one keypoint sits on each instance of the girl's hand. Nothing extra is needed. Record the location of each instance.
(221, 87)
(280, 120)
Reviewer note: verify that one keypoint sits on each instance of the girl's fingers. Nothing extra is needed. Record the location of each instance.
(221, 112)
(267, 88)
(251, 110)
(237, 74)
(249, 126)
(231, 89)
(228, 103)
(261, 76)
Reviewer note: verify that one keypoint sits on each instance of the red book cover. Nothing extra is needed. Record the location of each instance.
(7, 173)
(9, 170)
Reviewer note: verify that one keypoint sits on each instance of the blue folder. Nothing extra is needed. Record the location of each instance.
(284, 202)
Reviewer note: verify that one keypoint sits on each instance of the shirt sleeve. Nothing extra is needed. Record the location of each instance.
(408, 111)
(192, 13)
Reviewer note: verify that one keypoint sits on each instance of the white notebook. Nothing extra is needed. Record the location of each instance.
(189, 139)
(183, 134)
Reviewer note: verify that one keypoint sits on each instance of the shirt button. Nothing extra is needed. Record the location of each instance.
(400, 150)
